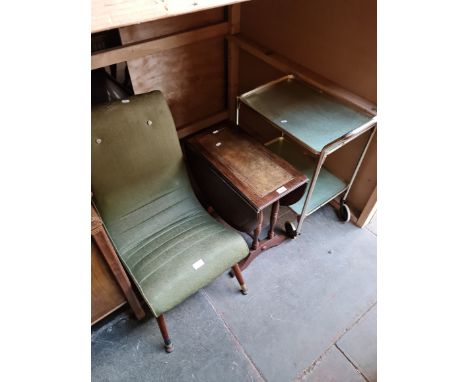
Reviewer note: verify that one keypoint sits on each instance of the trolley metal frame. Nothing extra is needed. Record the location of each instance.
(328, 149)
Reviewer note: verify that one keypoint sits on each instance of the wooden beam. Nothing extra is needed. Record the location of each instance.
(202, 124)
(234, 14)
(109, 14)
(104, 244)
(286, 66)
(233, 60)
(148, 47)
(368, 210)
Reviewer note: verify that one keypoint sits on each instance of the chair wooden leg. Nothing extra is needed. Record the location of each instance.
(163, 328)
(240, 278)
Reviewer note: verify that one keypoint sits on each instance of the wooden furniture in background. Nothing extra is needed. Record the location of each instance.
(240, 178)
(110, 286)
(106, 295)
(330, 45)
(109, 14)
(168, 54)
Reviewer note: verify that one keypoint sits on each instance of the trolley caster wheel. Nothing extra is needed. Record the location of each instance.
(344, 213)
(290, 229)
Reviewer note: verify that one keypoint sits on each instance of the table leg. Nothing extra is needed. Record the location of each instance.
(258, 229)
(273, 219)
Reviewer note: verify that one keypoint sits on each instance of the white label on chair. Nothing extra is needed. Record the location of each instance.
(281, 190)
(198, 264)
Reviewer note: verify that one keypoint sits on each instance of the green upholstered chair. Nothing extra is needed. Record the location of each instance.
(169, 244)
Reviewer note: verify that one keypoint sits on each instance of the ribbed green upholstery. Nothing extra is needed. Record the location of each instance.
(143, 194)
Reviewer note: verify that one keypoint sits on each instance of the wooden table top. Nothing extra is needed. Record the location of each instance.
(259, 175)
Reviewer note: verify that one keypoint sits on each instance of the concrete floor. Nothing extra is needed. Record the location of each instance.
(310, 315)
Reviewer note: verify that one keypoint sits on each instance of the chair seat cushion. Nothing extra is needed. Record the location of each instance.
(172, 247)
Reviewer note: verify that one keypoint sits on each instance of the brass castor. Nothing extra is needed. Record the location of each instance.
(244, 289)
(168, 346)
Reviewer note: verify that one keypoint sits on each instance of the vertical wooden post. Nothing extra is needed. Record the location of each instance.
(234, 12)
(273, 219)
(369, 210)
(257, 230)
(107, 249)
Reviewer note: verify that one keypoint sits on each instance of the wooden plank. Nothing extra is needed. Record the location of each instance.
(171, 25)
(337, 39)
(199, 57)
(233, 60)
(286, 66)
(109, 14)
(105, 246)
(368, 210)
(106, 249)
(106, 295)
(192, 79)
(145, 48)
(192, 128)
(234, 18)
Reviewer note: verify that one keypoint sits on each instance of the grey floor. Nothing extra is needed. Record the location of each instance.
(310, 315)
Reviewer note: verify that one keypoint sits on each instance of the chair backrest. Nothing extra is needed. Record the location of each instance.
(135, 154)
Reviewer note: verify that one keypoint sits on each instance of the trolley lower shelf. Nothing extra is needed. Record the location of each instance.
(328, 185)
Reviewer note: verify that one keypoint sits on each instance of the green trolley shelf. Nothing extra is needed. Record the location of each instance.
(313, 125)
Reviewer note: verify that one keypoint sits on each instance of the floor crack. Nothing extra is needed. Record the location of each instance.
(373, 233)
(236, 341)
(308, 370)
(351, 362)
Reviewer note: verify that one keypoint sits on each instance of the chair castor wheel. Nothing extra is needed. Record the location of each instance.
(244, 289)
(344, 213)
(231, 274)
(168, 346)
(290, 229)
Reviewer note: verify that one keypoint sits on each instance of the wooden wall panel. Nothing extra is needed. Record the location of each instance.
(191, 77)
(342, 164)
(335, 39)
(253, 72)
(110, 14)
(106, 295)
(170, 25)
